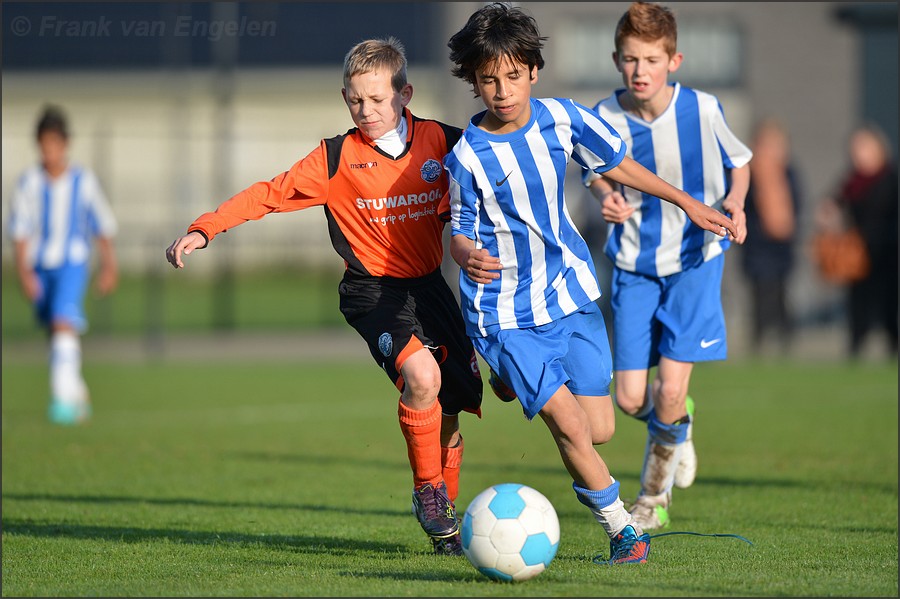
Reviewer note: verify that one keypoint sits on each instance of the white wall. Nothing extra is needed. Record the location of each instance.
(166, 150)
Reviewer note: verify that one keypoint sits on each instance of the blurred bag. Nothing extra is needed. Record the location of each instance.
(842, 256)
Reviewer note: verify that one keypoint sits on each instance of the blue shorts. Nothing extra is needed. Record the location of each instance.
(679, 316)
(536, 362)
(62, 295)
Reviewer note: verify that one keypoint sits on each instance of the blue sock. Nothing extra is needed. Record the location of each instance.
(605, 505)
(597, 500)
(666, 434)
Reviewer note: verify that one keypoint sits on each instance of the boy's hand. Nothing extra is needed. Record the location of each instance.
(478, 264)
(615, 209)
(107, 280)
(714, 221)
(185, 245)
(481, 267)
(31, 285)
(739, 217)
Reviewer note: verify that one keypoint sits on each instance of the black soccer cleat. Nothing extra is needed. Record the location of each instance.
(435, 511)
(451, 545)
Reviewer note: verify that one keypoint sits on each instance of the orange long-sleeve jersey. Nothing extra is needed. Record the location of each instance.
(385, 215)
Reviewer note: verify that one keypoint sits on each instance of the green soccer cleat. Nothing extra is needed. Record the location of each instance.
(650, 513)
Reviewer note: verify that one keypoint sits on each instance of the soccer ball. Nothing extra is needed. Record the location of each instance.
(510, 532)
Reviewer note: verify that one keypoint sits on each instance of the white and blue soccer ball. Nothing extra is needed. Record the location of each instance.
(510, 532)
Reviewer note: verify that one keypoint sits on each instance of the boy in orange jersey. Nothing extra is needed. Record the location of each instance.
(383, 188)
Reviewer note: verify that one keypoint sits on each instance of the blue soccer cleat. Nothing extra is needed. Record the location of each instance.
(629, 547)
(68, 414)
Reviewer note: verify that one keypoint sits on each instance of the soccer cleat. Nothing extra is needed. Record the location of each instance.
(629, 546)
(435, 511)
(650, 512)
(67, 413)
(500, 388)
(686, 471)
(451, 545)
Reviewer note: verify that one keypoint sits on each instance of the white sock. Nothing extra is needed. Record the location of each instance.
(66, 384)
(660, 464)
(613, 518)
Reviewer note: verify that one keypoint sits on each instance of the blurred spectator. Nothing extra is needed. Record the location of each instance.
(58, 209)
(866, 200)
(772, 208)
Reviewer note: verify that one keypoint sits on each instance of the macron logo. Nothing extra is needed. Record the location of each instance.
(704, 343)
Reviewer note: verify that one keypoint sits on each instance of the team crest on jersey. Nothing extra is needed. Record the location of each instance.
(431, 170)
(386, 344)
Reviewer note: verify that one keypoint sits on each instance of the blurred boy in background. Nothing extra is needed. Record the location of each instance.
(58, 209)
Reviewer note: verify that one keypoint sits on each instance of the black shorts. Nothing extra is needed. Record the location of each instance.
(389, 313)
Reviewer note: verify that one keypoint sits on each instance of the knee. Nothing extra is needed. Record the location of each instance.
(62, 326)
(603, 432)
(671, 395)
(630, 400)
(422, 382)
(572, 433)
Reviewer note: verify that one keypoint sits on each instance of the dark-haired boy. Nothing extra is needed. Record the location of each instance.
(527, 283)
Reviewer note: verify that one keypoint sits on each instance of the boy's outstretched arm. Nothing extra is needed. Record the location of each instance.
(478, 264)
(633, 174)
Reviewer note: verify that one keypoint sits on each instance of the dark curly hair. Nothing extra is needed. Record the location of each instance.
(492, 33)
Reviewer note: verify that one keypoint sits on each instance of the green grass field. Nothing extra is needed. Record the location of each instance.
(255, 478)
(176, 301)
(260, 477)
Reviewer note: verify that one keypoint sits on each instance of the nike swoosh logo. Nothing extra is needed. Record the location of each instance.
(503, 180)
(704, 343)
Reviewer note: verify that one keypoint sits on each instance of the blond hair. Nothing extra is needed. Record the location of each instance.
(370, 55)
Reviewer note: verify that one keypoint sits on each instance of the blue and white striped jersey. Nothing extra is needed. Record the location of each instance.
(59, 217)
(507, 194)
(691, 147)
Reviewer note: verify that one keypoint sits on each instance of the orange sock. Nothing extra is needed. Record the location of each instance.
(451, 460)
(422, 430)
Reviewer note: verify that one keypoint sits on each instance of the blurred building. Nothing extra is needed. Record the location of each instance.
(179, 105)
